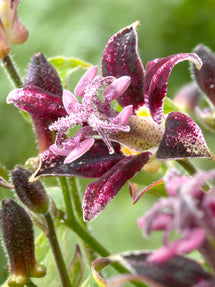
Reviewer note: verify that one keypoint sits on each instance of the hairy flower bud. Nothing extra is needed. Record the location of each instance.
(42, 74)
(18, 237)
(205, 77)
(32, 194)
(41, 97)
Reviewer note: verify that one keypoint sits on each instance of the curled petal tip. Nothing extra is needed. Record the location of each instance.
(195, 59)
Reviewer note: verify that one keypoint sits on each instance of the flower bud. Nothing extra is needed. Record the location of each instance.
(188, 97)
(42, 74)
(205, 77)
(12, 31)
(18, 237)
(41, 97)
(32, 194)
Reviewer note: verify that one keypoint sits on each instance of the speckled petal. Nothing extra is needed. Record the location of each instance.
(37, 102)
(182, 139)
(92, 164)
(156, 78)
(121, 58)
(102, 191)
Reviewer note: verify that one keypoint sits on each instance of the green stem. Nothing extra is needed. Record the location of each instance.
(75, 195)
(188, 166)
(11, 71)
(76, 203)
(52, 236)
(79, 229)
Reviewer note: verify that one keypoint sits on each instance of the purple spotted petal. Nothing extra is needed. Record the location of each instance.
(92, 164)
(182, 139)
(37, 102)
(121, 58)
(156, 78)
(102, 191)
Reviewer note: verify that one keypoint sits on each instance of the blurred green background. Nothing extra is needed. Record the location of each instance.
(81, 28)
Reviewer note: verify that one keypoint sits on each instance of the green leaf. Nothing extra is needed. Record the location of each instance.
(89, 282)
(76, 268)
(156, 189)
(66, 66)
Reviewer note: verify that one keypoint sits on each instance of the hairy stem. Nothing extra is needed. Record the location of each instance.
(52, 236)
(79, 229)
(75, 196)
(11, 71)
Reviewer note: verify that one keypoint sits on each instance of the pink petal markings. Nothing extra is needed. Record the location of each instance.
(85, 80)
(37, 102)
(102, 191)
(93, 164)
(182, 139)
(121, 58)
(156, 78)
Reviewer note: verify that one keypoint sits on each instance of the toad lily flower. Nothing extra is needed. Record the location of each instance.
(12, 31)
(190, 211)
(112, 145)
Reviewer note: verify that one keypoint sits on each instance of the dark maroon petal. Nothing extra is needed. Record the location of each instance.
(43, 75)
(92, 164)
(178, 272)
(102, 191)
(182, 139)
(206, 76)
(156, 78)
(121, 58)
(37, 102)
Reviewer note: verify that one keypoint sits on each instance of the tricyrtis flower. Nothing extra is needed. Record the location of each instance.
(41, 97)
(130, 136)
(189, 210)
(12, 31)
(18, 237)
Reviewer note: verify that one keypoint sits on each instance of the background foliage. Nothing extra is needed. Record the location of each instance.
(81, 28)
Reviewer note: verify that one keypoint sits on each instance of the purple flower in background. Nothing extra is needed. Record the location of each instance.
(114, 145)
(188, 210)
(12, 31)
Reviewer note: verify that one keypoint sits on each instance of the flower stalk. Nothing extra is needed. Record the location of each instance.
(52, 236)
(11, 71)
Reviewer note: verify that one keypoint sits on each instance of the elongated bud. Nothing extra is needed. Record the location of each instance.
(43, 75)
(33, 195)
(205, 77)
(18, 237)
